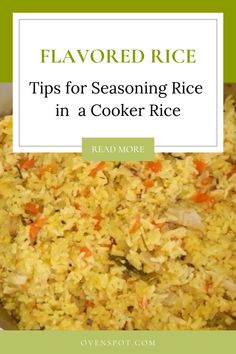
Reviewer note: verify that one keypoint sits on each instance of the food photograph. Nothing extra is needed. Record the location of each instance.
(118, 245)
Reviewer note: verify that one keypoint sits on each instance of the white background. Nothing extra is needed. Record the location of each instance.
(36, 128)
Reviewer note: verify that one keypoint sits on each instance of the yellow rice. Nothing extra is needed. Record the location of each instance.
(114, 254)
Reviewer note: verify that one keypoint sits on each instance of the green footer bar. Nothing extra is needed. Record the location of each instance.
(118, 149)
(104, 342)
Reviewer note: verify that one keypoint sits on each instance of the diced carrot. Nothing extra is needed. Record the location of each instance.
(26, 164)
(131, 281)
(148, 183)
(76, 205)
(207, 285)
(35, 227)
(173, 238)
(206, 181)
(158, 225)
(154, 166)
(97, 168)
(97, 226)
(204, 197)
(41, 222)
(89, 303)
(33, 232)
(51, 168)
(232, 171)
(74, 228)
(200, 197)
(99, 218)
(32, 208)
(200, 165)
(86, 191)
(86, 251)
(135, 225)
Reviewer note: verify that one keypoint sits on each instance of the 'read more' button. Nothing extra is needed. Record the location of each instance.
(115, 149)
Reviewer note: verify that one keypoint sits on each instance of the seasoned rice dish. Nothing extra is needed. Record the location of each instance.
(128, 245)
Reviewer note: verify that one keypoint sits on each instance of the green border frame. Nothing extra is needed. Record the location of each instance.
(7, 7)
(167, 342)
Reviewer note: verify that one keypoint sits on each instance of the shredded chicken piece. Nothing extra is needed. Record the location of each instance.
(186, 217)
(153, 263)
(18, 279)
(230, 285)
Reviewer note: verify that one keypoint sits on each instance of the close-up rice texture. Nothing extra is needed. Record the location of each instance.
(119, 245)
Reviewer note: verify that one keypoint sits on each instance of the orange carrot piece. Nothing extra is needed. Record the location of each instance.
(40, 222)
(33, 231)
(26, 164)
(154, 166)
(148, 183)
(74, 228)
(89, 303)
(76, 205)
(200, 165)
(51, 168)
(174, 238)
(200, 197)
(203, 197)
(207, 285)
(99, 218)
(35, 227)
(131, 281)
(158, 225)
(97, 168)
(206, 181)
(135, 225)
(32, 208)
(86, 191)
(86, 251)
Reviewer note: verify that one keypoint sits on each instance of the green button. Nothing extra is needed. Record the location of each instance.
(118, 149)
